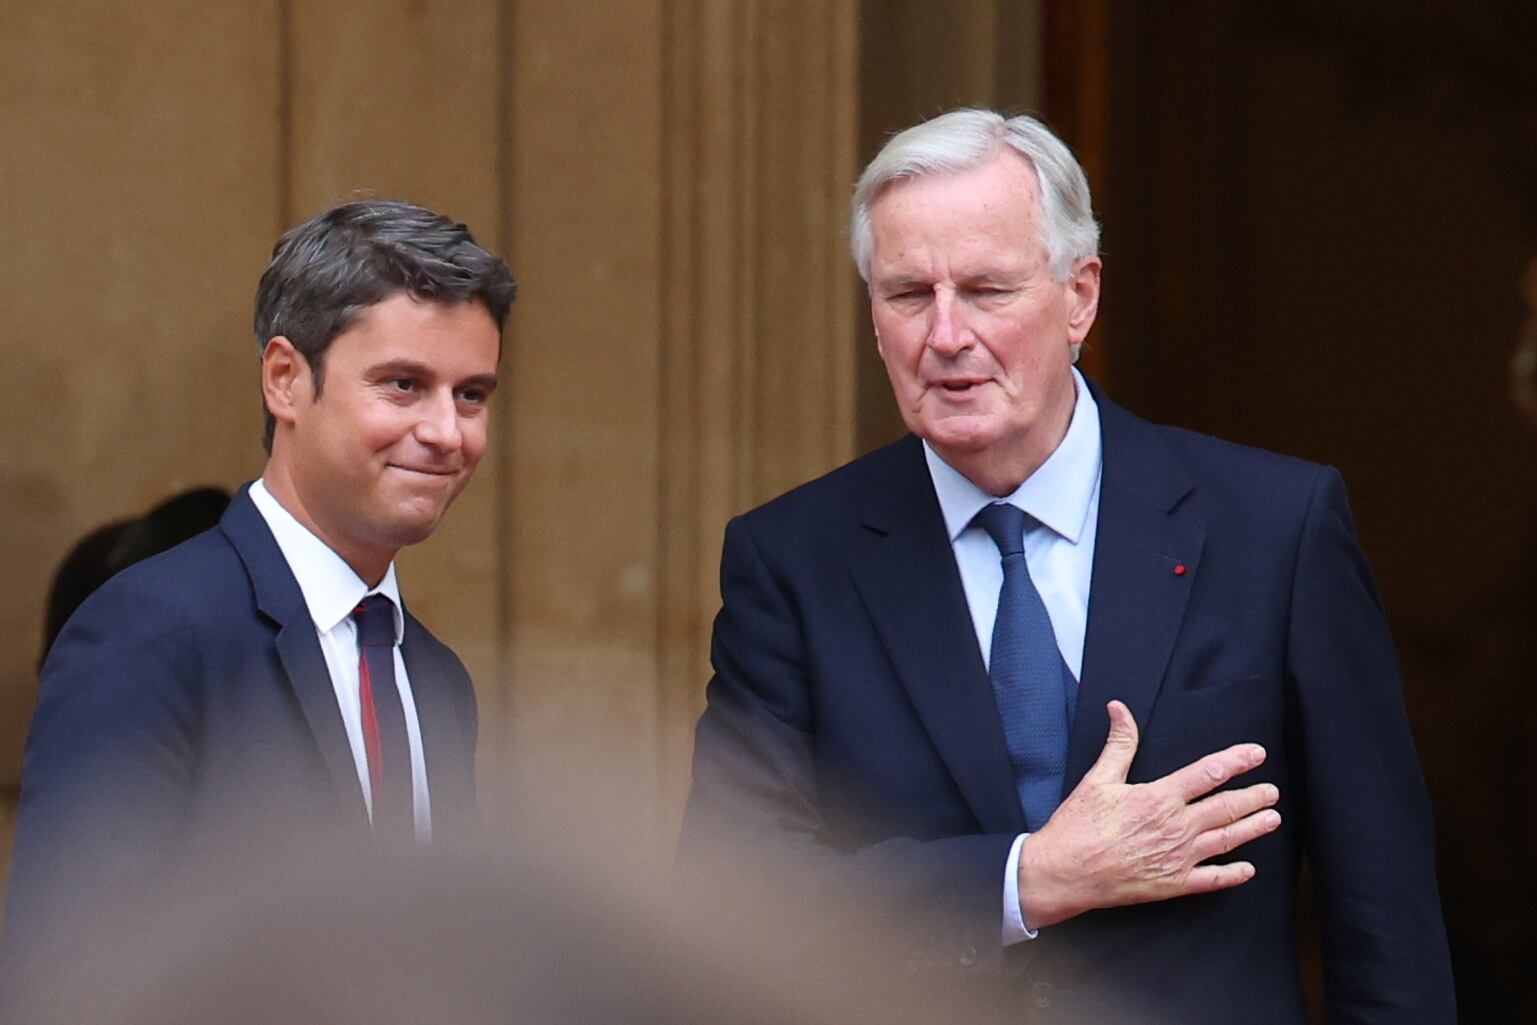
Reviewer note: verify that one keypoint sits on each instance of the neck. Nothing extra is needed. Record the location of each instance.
(369, 566)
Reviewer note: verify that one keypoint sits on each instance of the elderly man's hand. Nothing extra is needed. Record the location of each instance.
(1112, 843)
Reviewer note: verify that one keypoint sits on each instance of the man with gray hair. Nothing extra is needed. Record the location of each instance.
(1086, 690)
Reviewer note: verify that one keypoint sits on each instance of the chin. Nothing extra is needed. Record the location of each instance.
(413, 526)
(967, 437)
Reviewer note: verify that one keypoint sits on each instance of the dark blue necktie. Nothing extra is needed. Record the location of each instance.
(1030, 681)
(384, 720)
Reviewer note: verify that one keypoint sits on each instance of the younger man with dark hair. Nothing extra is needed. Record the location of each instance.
(262, 686)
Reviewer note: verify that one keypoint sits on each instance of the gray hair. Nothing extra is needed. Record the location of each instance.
(963, 139)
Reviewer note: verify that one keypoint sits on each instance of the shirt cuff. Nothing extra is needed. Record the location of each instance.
(1014, 928)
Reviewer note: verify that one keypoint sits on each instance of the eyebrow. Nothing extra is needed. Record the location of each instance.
(485, 382)
(992, 277)
(400, 366)
(899, 284)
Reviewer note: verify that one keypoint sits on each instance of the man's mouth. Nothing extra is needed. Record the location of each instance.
(959, 385)
(427, 471)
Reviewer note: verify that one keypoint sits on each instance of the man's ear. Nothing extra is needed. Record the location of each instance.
(287, 384)
(1083, 298)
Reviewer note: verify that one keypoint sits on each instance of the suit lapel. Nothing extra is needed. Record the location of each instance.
(279, 598)
(1138, 594)
(906, 576)
(438, 691)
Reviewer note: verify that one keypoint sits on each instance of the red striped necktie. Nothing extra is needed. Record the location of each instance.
(384, 719)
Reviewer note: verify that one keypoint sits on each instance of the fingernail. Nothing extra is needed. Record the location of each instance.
(1272, 793)
(1257, 755)
(1272, 818)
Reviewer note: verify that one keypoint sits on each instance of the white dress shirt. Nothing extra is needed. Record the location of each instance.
(1063, 495)
(331, 591)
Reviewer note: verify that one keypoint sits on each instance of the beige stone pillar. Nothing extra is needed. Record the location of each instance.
(759, 382)
(682, 350)
(140, 189)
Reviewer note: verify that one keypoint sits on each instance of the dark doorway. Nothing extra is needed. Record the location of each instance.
(1320, 229)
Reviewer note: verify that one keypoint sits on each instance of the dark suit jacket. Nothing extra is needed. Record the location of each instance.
(851, 719)
(186, 712)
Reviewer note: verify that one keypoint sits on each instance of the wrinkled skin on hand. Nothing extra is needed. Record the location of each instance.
(1112, 843)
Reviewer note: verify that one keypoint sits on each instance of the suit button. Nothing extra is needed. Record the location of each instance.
(1040, 995)
(968, 956)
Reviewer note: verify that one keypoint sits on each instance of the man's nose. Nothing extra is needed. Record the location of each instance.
(438, 425)
(948, 334)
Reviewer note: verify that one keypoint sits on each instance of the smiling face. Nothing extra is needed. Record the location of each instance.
(976, 335)
(371, 463)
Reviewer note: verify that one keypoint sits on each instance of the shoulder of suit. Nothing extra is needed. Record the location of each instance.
(197, 579)
(1205, 449)
(179, 607)
(848, 486)
(425, 641)
(1240, 475)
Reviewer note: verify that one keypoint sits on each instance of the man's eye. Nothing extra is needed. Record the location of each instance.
(474, 396)
(404, 384)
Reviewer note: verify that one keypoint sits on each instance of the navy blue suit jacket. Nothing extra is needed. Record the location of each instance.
(851, 719)
(187, 704)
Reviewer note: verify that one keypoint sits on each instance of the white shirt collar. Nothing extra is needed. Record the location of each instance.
(331, 589)
(1060, 494)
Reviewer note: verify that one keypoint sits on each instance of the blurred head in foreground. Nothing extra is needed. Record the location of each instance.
(539, 926)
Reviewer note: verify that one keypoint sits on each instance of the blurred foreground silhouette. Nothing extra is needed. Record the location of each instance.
(556, 924)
